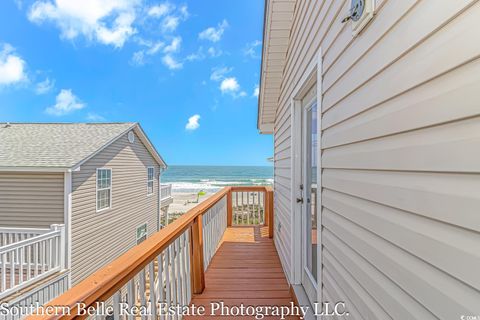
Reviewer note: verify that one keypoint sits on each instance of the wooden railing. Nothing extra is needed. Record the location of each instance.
(168, 267)
(32, 259)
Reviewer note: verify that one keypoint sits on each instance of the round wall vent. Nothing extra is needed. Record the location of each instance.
(131, 137)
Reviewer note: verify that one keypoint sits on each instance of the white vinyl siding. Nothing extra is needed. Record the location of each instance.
(400, 148)
(150, 180)
(104, 189)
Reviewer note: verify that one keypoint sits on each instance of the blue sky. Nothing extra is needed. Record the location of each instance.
(187, 71)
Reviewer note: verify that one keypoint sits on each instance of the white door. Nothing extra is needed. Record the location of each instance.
(309, 206)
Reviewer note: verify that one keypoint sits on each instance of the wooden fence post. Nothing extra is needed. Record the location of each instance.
(229, 208)
(198, 274)
(269, 213)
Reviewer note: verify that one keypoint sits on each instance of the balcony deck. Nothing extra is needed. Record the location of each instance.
(245, 269)
(219, 251)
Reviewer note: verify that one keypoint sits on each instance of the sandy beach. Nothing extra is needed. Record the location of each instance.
(184, 201)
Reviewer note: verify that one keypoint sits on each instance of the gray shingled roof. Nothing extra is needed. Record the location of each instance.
(54, 145)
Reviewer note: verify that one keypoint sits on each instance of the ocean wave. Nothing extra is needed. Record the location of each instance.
(211, 185)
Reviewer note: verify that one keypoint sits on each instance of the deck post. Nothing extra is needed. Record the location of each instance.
(197, 272)
(229, 208)
(269, 211)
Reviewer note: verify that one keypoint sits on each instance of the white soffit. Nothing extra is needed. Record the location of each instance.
(277, 24)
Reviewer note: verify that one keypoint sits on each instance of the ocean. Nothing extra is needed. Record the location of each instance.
(213, 178)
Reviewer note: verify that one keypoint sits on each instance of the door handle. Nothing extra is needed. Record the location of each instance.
(299, 200)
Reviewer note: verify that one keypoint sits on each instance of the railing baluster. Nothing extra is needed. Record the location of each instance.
(12, 269)
(50, 254)
(153, 293)
(142, 290)
(20, 264)
(131, 295)
(116, 305)
(160, 282)
(35, 253)
(28, 267)
(168, 299)
(4, 272)
(173, 275)
(177, 271)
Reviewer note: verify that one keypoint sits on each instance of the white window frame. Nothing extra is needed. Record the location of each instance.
(152, 181)
(110, 188)
(136, 232)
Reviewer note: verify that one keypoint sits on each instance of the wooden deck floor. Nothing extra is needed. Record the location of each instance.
(245, 270)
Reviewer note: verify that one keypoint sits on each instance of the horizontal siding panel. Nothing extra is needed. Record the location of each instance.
(401, 39)
(426, 105)
(451, 198)
(453, 147)
(414, 68)
(361, 299)
(31, 200)
(385, 292)
(443, 295)
(333, 292)
(439, 244)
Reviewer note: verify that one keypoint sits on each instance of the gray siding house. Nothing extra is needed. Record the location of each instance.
(99, 182)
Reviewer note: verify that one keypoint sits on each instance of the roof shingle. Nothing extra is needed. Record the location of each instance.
(54, 145)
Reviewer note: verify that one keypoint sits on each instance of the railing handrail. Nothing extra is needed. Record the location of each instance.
(23, 230)
(29, 241)
(103, 283)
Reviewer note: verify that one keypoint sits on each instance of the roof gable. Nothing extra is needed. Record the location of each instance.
(60, 146)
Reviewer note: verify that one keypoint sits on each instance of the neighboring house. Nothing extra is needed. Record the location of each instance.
(374, 109)
(97, 183)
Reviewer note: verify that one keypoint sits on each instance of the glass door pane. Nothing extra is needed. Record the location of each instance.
(311, 192)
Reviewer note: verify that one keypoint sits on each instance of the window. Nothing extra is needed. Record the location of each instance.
(141, 233)
(150, 173)
(104, 189)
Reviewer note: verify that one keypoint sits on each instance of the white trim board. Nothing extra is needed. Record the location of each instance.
(67, 194)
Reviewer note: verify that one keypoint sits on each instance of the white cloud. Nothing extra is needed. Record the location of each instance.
(92, 116)
(174, 46)
(155, 47)
(171, 62)
(138, 58)
(170, 23)
(219, 73)
(152, 48)
(256, 91)
(160, 10)
(214, 53)
(199, 55)
(192, 123)
(214, 34)
(66, 102)
(45, 86)
(12, 66)
(251, 49)
(109, 22)
(229, 85)
(184, 11)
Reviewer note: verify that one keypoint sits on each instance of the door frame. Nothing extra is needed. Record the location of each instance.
(311, 77)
